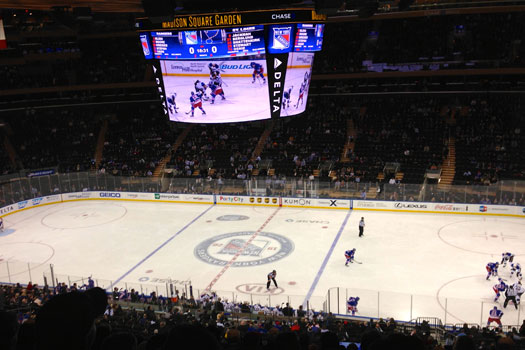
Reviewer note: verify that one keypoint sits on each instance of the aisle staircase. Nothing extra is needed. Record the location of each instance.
(448, 169)
(262, 140)
(165, 160)
(99, 151)
(349, 145)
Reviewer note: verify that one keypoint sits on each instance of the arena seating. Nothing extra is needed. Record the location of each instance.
(32, 314)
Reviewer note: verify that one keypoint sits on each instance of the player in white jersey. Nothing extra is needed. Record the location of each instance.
(515, 268)
(214, 69)
(172, 104)
(507, 256)
(287, 96)
(519, 291)
(200, 89)
(1, 224)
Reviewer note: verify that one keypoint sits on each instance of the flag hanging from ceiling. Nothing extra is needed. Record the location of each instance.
(3, 42)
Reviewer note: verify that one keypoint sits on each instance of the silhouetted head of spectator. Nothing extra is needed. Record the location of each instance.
(99, 300)
(120, 341)
(190, 337)
(464, 342)
(67, 321)
(329, 341)
(8, 330)
(252, 341)
(287, 341)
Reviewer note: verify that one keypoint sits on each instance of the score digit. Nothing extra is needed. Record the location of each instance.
(192, 50)
(214, 49)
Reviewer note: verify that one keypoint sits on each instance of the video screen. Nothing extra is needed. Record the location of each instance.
(216, 91)
(297, 83)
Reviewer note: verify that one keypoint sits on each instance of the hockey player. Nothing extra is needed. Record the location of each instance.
(492, 269)
(200, 89)
(172, 105)
(349, 255)
(271, 277)
(215, 86)
(287, 95)
(301, 95)
(214, 69)
(352, 305)
(196, 102)
(517, 269)
(495, 316)
(506, 257)
(1, 225)
(500, 287)
(519, 291)
(258, 71)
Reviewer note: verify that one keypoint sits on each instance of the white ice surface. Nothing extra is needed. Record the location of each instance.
(412, 264)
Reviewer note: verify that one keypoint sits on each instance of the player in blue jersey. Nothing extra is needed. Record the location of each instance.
(258, 71)
(352, 305)
(287, 95)
(172, 104)
(492, 269)
(349, 255)
(515, 268)
(500, 287)
(215, 86)
(196, 102)
(495, 316)
(506, 257)
(200, 89)
(302, 89)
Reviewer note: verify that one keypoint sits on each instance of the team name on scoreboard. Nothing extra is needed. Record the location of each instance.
(203, 21)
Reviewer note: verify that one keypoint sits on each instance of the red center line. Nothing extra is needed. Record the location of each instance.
(239, 251)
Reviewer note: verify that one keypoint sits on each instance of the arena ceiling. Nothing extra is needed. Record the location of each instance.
(95, 5)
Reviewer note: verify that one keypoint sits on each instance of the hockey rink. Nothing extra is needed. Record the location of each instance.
(412, 265)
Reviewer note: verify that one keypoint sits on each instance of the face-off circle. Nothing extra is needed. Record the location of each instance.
(83, 216)
(489, 237)
(266, 248)
(233, 218)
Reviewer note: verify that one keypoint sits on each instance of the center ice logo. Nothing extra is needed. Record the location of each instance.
(265, 248)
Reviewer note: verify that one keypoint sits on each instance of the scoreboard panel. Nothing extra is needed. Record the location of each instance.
(205, 44)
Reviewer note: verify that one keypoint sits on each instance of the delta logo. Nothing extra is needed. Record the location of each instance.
(483, 208)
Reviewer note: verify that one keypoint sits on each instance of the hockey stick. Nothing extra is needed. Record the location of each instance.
(223, 82)
(358, 262)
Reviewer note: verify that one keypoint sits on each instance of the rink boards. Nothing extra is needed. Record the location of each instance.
(307, 203)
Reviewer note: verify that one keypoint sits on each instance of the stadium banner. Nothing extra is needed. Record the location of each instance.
(276, 65)
(440, 208)
(247, 200)
(30, 203)
(238, 18)
(200, 68)
(315, 203)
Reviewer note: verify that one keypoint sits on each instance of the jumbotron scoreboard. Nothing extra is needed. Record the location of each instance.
(241, 66)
